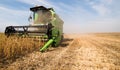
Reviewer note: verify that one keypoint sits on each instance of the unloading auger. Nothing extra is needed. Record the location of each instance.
(46, 24)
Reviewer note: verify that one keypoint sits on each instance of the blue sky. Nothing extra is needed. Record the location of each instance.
(79, 16)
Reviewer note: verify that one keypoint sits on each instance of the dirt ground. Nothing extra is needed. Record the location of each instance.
(77, 52)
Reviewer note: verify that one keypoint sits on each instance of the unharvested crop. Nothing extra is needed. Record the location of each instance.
(14, 47)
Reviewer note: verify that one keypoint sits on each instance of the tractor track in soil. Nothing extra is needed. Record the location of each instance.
(77, 52)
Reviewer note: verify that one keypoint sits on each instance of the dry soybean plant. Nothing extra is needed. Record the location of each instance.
(14, 47)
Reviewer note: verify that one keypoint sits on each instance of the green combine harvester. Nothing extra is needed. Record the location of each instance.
(46, 25)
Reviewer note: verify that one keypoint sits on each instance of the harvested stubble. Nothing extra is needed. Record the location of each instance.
(14, 47)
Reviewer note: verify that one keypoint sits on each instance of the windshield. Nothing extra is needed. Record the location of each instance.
(42, 17)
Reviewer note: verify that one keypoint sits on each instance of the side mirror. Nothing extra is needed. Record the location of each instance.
(30, 18)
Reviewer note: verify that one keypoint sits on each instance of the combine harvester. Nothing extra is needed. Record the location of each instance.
(46, 26)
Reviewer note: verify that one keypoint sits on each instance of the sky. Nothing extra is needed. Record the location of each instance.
(79, 16)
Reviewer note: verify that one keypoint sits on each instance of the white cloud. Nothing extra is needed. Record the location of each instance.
(46, 3)
(4, 23)
(77, 18)
(101, 6)
(13, 12)
(101, 9)
(12, 17)
(106, 1)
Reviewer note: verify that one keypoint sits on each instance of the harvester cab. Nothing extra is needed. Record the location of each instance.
(46, 25)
